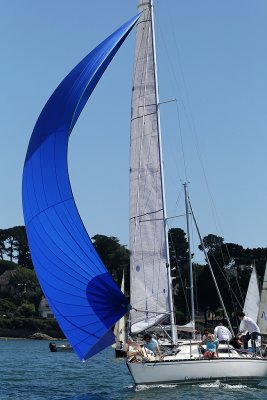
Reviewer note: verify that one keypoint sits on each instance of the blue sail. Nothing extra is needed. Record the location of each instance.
(82, 295)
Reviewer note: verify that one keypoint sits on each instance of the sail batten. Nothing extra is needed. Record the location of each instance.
(82, 295)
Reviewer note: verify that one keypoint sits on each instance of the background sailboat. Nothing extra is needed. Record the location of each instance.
(252, 301)
(262, 315)
(120, 331)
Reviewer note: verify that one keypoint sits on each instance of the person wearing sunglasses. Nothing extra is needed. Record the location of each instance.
(212, 345)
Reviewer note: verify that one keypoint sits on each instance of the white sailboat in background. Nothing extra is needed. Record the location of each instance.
(262, 315)
(252, 301)
(120, 331)
(151, 289)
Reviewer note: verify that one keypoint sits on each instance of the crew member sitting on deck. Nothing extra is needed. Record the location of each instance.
(151, 344)
(211, 347)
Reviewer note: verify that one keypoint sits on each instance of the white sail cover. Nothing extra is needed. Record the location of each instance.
(190, 327)
(149, 288)
(262, 317)
(252, 301)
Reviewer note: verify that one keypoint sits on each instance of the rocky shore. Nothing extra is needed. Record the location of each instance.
(35, 328)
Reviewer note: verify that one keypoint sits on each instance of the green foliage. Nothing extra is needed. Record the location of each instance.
(25, 296)
(26, 288)
(7, 308)
(23, 327)
(14, 246)
(25, 279)
(6, 266)
(115, 257)
(179, 259)
(26, 310)
(212, 242)
(178, 246)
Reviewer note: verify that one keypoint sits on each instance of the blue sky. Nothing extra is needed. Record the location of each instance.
(211, 59)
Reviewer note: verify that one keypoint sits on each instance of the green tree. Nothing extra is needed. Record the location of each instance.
(7, 265)
(3, 237)
(11, 246)
(212, 242)
(178, 247)
(14, 246)
(26, 310)
(23, 251)
(179, 261)
(7, 308)
(26, 287)
(115, 257)
(25, 279)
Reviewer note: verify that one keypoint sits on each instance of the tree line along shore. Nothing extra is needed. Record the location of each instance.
(20, 292)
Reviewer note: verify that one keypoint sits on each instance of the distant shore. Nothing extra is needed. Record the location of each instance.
(25, 328)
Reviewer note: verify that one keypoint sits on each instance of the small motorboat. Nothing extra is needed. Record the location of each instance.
(59, 348)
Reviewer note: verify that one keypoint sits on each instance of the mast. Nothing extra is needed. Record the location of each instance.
(190, 259)
(151, 290)
(172, 319)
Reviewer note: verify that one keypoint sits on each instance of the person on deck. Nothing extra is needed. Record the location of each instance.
(206, 334)
(251, 330)
(52, 347)
(151, 344)
(212, 345)
(236, 343)
(197, 335)
(222, 333)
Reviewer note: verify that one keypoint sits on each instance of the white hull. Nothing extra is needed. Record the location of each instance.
(249, 370)
(64, 348)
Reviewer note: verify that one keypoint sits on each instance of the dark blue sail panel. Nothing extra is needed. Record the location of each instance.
(82, 295)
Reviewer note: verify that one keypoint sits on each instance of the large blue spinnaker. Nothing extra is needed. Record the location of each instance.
(82, 295)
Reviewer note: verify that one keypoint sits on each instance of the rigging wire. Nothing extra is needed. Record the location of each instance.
(186, 107)
(185, 104)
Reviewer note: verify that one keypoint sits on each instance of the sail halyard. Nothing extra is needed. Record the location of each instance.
(151, 294)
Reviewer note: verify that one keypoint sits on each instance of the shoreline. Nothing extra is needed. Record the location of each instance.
(27, 338)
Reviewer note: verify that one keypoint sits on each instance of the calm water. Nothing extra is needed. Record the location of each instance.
(28, 370)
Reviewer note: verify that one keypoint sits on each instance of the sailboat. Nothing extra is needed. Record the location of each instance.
(120, 332)
(252, 300)
(82, 295)
(262, 315)
(151, 288)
